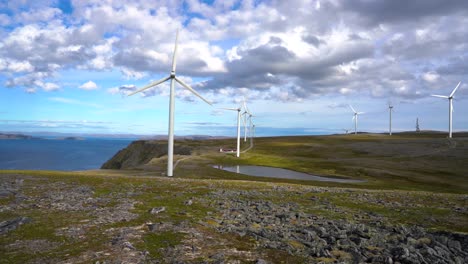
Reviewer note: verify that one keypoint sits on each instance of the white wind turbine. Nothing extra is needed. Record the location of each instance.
(245, 113)
(251, 125)
(238, 127)
(355, 118)
(173, 78)
(390, 109)
(450, 97)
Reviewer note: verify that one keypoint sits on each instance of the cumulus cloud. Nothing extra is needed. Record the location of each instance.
(89, 85)
(48, 86)
(431, 77)
(123, 90)
(279, 50)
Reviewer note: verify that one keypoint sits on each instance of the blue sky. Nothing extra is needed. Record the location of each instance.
(67, 66)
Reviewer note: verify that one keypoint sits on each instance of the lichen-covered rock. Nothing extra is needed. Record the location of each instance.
(284, 226)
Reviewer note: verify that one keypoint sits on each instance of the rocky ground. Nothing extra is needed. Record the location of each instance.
(286, 227)
(78, 219)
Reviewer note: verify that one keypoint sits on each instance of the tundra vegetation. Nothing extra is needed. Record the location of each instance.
(411, 208)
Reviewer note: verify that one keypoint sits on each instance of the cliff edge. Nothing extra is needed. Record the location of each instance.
(141, 152)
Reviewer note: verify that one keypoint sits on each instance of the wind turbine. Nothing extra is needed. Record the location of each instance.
(246, 111)
(251, 125)
(355, 117)
(173, 78)
(450, 97)
(238, 127)
(390, 109)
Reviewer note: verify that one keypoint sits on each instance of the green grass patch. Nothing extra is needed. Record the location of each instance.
(155, 242)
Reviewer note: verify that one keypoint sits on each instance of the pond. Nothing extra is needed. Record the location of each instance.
(272, 172)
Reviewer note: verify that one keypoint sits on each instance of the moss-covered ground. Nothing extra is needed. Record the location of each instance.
(411, 180)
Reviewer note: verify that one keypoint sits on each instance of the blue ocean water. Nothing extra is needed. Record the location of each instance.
(53, 154)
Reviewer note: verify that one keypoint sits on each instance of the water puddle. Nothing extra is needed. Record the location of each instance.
(272, 172)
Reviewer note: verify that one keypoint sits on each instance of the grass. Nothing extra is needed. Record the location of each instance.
(412, 180)
(427, 162)
(155, 242)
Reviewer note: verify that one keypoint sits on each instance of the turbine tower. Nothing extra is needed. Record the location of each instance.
(390, 109)
(355, 118)
(173, 78)
(450, 97)
(238, 128)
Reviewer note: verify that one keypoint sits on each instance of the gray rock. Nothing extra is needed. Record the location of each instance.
(10, 225)
(128, 245)
(453, 245)
(157, 210)
(5, 193)
(388, 260)
(286, 227)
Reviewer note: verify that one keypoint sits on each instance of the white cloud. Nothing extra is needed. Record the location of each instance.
(31, 90)
(123, 90)
(50, 87)
(90, 85)
(20, 66)
(431, 77)
(47, 86)
(237, 45)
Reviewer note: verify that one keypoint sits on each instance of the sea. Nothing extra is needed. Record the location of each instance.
(58, 154)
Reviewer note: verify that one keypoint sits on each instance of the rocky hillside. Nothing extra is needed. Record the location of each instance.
(141, 152)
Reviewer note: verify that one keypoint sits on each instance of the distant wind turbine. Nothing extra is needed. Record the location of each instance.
(251, 125)
(450, 97)
(238, 127)
(390, 109)
(173, 78)
(246, 112)
(355, 118)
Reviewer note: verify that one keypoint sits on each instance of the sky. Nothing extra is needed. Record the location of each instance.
(68, 66)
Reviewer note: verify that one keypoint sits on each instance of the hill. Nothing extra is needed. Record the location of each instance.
(140, 152)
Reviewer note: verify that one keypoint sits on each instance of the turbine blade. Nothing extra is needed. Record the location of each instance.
(352, 108)
(150, 85)
(232, 109)
(354, 117)
(174, 56)
(360, 113)
(192, 90)
(441, 96)
(245, 106)
(454, 90)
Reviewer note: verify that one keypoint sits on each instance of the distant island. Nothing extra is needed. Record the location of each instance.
(71, 138)
(15, 136)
